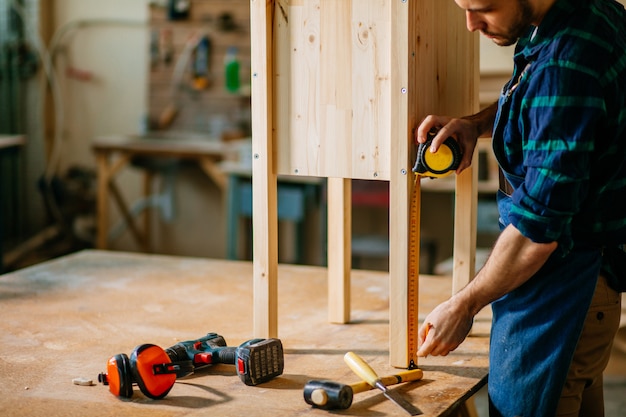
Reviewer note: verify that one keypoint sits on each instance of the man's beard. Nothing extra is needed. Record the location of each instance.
(516, 29)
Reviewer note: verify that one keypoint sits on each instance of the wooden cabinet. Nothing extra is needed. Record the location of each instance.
(338, 87)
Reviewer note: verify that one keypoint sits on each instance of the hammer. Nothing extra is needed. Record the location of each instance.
(331, 395)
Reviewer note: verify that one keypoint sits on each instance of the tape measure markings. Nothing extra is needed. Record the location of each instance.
(413, 273)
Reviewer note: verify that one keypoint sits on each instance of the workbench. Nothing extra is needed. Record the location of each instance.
(152, 152)
(63, 319)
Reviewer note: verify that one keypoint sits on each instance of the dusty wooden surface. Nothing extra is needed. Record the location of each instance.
(63, 319)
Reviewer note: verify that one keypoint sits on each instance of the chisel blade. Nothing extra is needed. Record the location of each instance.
(397, 398)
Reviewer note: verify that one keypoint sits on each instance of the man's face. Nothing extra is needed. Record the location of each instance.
(502, 21)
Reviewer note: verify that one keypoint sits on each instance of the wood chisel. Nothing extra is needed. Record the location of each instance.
(365, 372)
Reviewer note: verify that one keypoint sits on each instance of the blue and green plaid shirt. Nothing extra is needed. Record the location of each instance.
(560, 132)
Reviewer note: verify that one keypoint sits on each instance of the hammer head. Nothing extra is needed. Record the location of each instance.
(328, 395)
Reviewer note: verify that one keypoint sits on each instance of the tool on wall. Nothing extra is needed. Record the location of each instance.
(364, 371)
(231, 70)
(170, 112)
(331, 395)
(201, 64)
(155, 369)
(178, 9)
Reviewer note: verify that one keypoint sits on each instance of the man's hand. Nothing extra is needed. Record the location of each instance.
(462, 130)
(444, 329)
(466, 131)
(513, 260)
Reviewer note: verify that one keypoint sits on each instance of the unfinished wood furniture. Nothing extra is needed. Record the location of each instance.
(115, 152)
(338, 87)
(107, 302)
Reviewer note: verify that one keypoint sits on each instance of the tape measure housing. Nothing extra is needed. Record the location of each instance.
(439, 164)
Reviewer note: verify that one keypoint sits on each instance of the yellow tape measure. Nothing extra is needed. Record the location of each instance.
(439, 164)
(413, 273)
(427, 164)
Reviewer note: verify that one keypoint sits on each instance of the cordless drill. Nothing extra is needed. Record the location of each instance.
(256, 361)
(155, 370)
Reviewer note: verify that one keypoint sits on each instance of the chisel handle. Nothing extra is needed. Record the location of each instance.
(361, 368)
(405, 376)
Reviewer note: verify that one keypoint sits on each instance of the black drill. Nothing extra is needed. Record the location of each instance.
(256, 361)
(155, 370)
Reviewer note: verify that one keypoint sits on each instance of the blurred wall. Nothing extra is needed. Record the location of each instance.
(107, 41)
(102, 57)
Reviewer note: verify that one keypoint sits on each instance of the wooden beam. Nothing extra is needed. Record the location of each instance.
(264, 179)
(403, 86)
(102, 161)
(465, 218)
(339, 249)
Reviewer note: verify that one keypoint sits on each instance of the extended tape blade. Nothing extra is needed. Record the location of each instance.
(413, 272)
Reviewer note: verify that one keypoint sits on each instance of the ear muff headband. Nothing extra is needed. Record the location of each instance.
(119, 376)
(142, 363)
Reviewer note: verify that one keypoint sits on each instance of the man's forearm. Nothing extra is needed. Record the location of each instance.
(484, 120)
(513, 261)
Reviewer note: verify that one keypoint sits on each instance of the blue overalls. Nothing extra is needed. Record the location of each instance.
(536, 327)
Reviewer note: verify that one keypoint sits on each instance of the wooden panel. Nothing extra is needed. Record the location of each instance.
(335, 105)
(465, 222)
(333, 77)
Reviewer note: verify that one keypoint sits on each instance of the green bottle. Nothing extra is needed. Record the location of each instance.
(231, 68)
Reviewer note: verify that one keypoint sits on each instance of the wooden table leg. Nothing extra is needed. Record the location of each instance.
(102, 162)
(140, 237)
(106, 173)
(233, 203)
(147, 213)
(339, 249)
(210, 168)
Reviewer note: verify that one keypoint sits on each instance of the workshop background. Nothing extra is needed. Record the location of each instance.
(75, 70)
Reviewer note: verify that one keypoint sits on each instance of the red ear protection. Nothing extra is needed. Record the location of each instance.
(152, 370)
(149, 366)
(118, 376)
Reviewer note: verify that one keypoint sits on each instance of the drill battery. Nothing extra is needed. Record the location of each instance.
(259, 360)
(256, 361)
